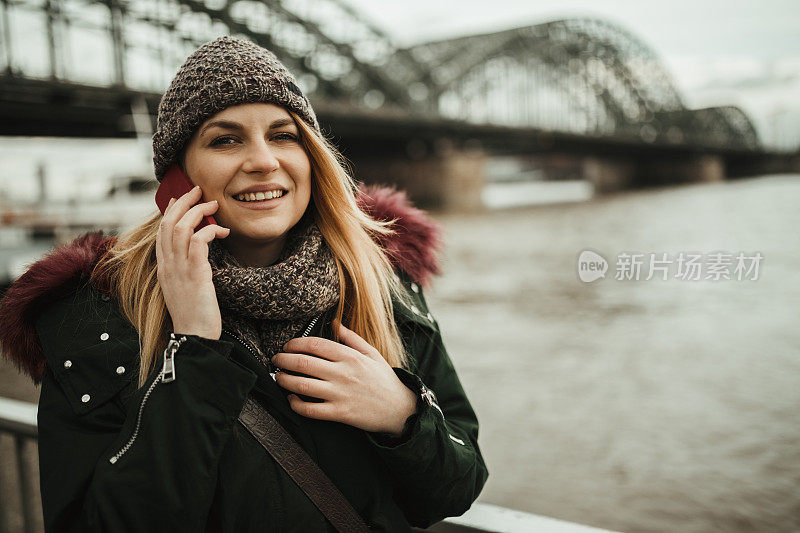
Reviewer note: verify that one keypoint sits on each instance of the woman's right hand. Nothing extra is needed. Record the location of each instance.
(184, 272)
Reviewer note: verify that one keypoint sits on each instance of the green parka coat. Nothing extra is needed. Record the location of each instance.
(171, 456)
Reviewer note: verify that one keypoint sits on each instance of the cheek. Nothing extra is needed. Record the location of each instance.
(211, 175)
(298, 168)
(302, 175)
(305, 187)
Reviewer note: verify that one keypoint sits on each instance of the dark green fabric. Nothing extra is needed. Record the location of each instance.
(192, 467)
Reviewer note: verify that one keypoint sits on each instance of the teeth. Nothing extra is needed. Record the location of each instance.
(254, 197)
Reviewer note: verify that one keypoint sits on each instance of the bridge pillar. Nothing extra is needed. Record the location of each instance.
(440, 176)
(701, 168)
(696, 168)
(608, 174)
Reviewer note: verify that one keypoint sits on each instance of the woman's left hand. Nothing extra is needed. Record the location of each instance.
(357, 385)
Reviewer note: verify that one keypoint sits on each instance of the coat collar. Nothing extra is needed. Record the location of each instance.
(413, 249)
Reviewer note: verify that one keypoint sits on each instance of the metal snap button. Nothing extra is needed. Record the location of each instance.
(104, 337)
(430, 317)
(67, 364)
(414, 287)
(120, 370)
(414, 310)
(85, 398)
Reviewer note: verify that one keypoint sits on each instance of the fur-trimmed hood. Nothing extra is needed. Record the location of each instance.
(413, 249)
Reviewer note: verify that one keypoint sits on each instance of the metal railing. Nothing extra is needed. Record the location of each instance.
(18, 420)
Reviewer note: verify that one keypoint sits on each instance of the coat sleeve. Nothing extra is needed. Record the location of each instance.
(437, 465)
(150, 467)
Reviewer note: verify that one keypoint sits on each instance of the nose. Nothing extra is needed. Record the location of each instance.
(260, 158)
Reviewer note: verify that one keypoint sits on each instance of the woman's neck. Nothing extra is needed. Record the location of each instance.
(255, 255)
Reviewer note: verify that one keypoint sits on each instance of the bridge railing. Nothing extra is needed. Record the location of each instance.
(18, 420)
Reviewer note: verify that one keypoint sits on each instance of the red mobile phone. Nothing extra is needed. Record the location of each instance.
(174, 185)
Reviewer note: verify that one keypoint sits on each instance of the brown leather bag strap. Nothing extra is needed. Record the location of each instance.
(302, 469)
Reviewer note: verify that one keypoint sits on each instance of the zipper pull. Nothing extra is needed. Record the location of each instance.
(168, 371)
(272, 368)
(430, 398)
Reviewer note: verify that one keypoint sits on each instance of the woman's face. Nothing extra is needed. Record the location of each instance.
(251, 148)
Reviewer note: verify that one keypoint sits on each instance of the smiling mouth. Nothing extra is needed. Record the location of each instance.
(259, 196)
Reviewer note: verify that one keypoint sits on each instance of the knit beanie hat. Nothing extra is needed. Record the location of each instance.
(224, 72)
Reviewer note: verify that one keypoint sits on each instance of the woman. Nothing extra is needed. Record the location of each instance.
(147, 346)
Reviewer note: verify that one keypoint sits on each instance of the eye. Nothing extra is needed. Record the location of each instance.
(221, 141)
(285, 136)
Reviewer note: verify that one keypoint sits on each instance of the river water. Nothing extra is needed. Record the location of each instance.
(631, 405)
(660, 405)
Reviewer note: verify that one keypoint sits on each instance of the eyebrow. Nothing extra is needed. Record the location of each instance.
(230, 125)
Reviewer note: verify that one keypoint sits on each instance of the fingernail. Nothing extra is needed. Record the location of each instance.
(196, 187)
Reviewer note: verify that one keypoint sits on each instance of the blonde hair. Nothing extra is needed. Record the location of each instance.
(366, 276)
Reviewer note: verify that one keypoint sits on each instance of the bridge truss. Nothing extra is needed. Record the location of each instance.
(582, 76)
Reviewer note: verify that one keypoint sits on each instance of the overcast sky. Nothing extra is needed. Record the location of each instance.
(739, 52)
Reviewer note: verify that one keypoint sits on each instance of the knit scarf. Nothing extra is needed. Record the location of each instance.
(268, 306)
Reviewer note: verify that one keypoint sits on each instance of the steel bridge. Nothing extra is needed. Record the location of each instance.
(578, 86)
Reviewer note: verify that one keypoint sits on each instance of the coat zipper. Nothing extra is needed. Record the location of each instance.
(166, 375)
(271, 367)
(429, 397)
(427, 394)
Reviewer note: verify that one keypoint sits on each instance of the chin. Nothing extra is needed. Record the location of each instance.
(265, 234)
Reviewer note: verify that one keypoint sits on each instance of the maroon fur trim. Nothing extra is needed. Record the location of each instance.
(33, 290)
(418, 238)
(413, 249)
